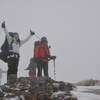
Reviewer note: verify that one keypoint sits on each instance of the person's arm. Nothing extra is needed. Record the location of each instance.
(49, 56)
(31, 69)
(9, 38)
(27, 39)
(48, 51)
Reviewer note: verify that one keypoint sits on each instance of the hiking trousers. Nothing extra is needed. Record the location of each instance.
(42, 65)
(12, 66)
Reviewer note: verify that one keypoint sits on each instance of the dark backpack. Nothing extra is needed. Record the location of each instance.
(4, 49)
(36, 43)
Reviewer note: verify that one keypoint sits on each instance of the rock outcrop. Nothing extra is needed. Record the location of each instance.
(88, 82)
(39, 88)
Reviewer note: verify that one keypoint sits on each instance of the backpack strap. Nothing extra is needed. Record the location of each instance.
(10, 46)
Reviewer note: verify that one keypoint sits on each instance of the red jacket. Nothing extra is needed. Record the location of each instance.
(42, 50)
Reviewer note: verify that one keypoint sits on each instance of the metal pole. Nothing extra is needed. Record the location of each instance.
(54, 70)
(1, 30)
(0, 75)
(37, 37)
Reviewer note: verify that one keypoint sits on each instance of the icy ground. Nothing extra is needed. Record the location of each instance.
(83, 93)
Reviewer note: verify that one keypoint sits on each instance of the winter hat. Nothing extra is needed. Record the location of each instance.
(15, 33)
(43, 38)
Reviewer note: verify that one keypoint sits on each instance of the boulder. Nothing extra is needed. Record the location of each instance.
(88, 82)
(39, 88)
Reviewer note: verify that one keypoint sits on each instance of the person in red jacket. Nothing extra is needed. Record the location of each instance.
(42, 54)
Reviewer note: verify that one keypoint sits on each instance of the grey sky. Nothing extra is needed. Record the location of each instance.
(72, 28)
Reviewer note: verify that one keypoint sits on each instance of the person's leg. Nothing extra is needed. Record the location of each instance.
(39, 73)
(15, 69)
(10, 66)
(45, 68)
(32, 76)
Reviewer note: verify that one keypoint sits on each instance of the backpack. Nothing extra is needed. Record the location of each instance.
(4, 49)
(36, 43)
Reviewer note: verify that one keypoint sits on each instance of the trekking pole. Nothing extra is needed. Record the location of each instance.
(54, 70)
(0, 30)
(37, 36)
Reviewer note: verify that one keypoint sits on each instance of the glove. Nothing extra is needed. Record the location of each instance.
(32, 33)
(53, 57)
(3, 25)
(47, 56)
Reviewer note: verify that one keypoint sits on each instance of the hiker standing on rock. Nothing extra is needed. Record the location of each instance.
(14, 45)
(42, 54)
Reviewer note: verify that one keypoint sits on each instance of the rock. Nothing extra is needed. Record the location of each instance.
(6, 88)
(23, 83)
(70, 86)
(63, 86)
(88, 82)
(96, 91)
(12, 80)
(39, 88)
(49, 87)
(35, 89)
(98, 83)
(41, 80)
(55, 87)
(1, 94)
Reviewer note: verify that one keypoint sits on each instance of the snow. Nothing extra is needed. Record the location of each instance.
(57, 93)
(81, 95)
(86, 96)
(86, 88)
(16, 98)
(81, 92)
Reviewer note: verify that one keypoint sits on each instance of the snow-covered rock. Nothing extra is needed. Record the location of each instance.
(86, 92)
(39, 88)
(88, 82)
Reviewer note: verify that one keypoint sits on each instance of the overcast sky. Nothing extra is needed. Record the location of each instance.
(72, 28)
